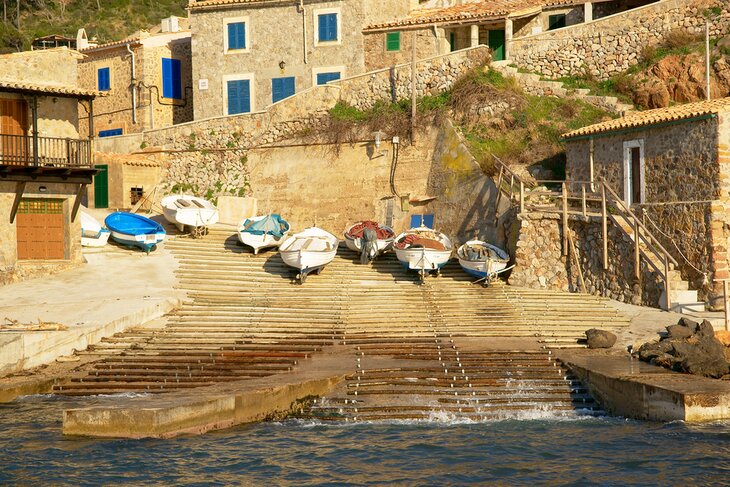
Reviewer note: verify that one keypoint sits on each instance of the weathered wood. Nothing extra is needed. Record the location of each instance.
(19, 189)
(727, 305)
(499, 192)
(77, 202)
(667, 285)
(577, 264)
(604, 226)
(565, 220)
(583, 198)
(522, 197)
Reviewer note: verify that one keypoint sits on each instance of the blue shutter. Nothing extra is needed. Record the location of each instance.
(282, 88)
(237, 35)
(327, 27)
(171, 79)
(103, 79)
(427, 221)
(324, 78)
(110, 132)
(239, 96)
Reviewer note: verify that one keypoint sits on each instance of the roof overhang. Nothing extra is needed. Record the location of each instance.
(7, 86)
(47, 174)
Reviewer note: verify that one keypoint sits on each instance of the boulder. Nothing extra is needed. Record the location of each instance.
(600, 338)
(678, 331)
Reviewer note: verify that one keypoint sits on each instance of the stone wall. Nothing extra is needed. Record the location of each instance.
(434, 75)
(612, 44)
(540, 263)
(210, 154)
(681, 181)
(428, 44)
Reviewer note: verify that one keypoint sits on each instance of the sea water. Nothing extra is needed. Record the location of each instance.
(553, 450)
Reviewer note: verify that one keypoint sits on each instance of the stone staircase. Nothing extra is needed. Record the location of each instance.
(245, 317)
(534, 85)
(683, 299)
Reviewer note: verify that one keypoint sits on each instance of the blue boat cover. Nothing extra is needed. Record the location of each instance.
(272, 225)
(131, 224)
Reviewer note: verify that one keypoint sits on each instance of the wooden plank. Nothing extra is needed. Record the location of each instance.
(19, 189)
(577, 264)
(565, 220)
(637, 249)
(604, 226)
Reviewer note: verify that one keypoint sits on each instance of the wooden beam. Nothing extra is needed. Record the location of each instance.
(604, 226)
(637, 249)
(77, 202)
(19, 189)
(565, 220)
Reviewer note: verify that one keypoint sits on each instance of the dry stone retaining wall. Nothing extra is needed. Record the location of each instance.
(539, 262)
(613, 44)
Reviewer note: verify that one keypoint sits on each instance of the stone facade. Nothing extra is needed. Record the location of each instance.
(540, 263)
(116, 110)
(686, 188)
(281, 41)
(613, 44)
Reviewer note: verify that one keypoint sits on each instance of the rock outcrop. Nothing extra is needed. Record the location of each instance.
(596, 338)
(689, 347)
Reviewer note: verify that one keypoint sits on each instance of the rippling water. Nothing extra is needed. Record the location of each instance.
(567, 451)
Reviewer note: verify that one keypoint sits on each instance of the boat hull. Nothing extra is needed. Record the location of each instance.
(202, 214)
(382, 245)
(305, 260)
(423, 259)
(145, 241)
(479, 269)
(263, 241)
(99, 240)
(296, 251)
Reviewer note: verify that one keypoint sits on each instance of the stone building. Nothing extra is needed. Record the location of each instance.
(462, 24)
(248, 54)
(146, 77)
(44, 164)
(672, 166)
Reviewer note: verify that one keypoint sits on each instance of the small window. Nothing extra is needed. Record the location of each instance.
(135, 195)
(110, 132)
(392, 41)
(236, 35)
(103, 78)
(327, 27)
(556, 21)
(239, 96)
(282, 88)
(324, 78)
(422, 221)
(171, 79)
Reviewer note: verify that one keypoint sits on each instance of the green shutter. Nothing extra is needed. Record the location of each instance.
(392, 41)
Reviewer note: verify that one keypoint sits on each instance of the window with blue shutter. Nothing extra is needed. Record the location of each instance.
(281, 88)
(239, 96)
(103, 78)
(110, 132)
(171, 79)
(416, 221)
(324, 78)
(237, 35)
(327, 27)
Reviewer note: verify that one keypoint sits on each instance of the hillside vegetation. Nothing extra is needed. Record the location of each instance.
(107, 20)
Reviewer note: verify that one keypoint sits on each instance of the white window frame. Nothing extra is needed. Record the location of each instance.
(329, 69)
(315, 21)
(247, 30)
(238, 77)
(628, 145)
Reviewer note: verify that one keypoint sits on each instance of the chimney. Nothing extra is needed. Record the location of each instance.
(170, 24)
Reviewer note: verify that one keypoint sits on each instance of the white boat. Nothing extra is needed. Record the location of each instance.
(92, 233)
(187, 210)
(309, 251)
(263, 231)
(356, 236)
(481, 259)
(423, 250)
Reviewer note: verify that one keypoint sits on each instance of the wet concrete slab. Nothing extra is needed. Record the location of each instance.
(627, 387)
(209, 408)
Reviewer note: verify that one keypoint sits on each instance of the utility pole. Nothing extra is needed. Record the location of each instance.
(413, 87)
(707, 58)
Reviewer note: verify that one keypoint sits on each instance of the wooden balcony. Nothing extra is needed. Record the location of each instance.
(36, 151)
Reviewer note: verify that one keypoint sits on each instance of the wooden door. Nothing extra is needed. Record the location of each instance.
(40, 227)
(13, 130)
(636, 175)
(496, 44)
(101, 187)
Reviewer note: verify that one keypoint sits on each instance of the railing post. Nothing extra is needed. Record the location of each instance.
(583, 198)
(637, 250)
(522, 197)
(727, 305)
(565, 219)
(667, 286)
(68, 152)
(604, 226)
(499, 192)
(511, 186)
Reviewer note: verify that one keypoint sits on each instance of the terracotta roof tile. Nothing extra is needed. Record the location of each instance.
(484, 10)
(201, 4)
(60, 90)
(652, 117)
(131, 40)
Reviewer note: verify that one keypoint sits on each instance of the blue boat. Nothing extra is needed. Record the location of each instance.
(135, 230)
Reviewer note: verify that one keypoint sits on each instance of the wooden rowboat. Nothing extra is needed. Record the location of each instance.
(309, 251)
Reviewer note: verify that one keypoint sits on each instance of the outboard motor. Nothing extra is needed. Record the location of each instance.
(369, 245)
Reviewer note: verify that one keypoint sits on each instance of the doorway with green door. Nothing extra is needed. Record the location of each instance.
(101, 187)
(496, 44)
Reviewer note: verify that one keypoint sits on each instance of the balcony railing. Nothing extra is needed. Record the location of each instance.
(27, 150)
